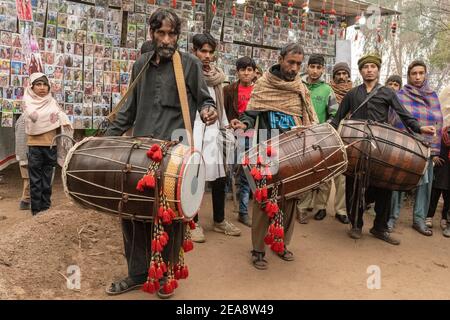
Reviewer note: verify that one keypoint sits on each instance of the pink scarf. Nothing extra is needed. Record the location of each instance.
(42, 114)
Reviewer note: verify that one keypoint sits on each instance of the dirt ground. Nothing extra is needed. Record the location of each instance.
(35, 253)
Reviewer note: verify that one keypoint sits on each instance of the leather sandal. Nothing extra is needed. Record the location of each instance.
(258, 260)
(286, 255)
(122, 286)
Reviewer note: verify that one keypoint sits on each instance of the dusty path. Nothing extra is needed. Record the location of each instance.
(35, 253)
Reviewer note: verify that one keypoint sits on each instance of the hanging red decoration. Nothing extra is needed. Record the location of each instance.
(277, 20)
(233, 10)
(174, 4)
(214, 7)
(266, 18)
(194, 3)
(290, 7)
(277, 5)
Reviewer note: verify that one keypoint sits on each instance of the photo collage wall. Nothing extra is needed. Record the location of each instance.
(88, 49)
(82, 49)
(246, 33)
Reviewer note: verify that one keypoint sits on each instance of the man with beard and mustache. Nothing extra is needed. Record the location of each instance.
(204, 47)
(154, 109)
(279, 102)
(375, 109)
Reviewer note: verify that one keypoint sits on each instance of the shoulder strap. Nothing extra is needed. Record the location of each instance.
(181, 86)
(370, 96)
(112, 116)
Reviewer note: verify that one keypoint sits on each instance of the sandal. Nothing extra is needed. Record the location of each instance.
(122, 286)
(258, 260)
(162, 295)
(423, 230)
(286, 255)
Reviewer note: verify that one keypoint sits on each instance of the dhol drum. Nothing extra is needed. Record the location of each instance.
(302, 159)
(102, 173)
(397, 160)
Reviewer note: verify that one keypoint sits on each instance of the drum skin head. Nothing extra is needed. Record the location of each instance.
(192, 185)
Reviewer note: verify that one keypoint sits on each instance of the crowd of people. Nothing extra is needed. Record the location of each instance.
(279, 98)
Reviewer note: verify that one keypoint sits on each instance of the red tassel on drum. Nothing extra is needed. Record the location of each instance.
(140, 185)
(258, 176)
(177, 273)
(264, 193)
(184, 272)
(253, 172)
(272, 228)
(157, 156)
(163, 241)
(174, 284)
(149, 287)
(246, 161)
(269, 151)
(149, 181)
(171, 213)
(279, 232)
(160, 212)
(166, 218)
(152, 271)
(269, 239)
(167, 288)
(158, 246)
(159, 273)
(258, 195)
(188, 245)
(192, 224)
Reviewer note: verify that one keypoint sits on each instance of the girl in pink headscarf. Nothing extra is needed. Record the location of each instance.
(43, 119)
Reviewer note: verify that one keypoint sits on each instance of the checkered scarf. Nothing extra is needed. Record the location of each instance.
(423, 104)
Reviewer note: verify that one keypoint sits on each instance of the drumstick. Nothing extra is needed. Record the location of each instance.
(201, 150)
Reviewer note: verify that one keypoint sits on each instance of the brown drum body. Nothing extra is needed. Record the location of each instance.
(397, 159)
(102, 173)
(305, 158)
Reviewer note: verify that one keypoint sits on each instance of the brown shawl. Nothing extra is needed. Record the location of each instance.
(340, 90)
(271, 93)
(214, 78)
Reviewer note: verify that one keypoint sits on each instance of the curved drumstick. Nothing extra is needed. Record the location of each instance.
(359, 140)
(62, 135)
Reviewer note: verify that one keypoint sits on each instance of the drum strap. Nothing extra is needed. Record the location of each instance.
(181, 86)
(370, 96)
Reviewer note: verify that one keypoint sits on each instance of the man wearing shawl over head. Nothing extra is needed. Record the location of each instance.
(375, 109)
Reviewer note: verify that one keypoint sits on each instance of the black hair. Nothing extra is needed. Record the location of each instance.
(200, 39)
(161, 14)
(316, 59)
(395, 78)
(244, 63)
(294, 48)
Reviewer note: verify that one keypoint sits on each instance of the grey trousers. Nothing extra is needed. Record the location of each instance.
(260, 224)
